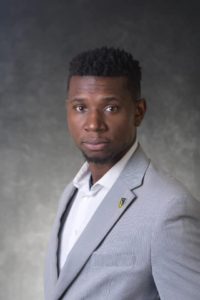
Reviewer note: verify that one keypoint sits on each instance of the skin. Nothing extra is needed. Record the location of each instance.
(102, 117)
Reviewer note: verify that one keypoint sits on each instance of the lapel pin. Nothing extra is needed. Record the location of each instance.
(121, 202)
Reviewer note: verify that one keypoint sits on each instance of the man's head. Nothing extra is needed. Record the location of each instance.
(104, 106)
(108, 62)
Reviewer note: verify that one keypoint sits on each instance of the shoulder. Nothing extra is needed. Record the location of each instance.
(162, 196)
(163, 185)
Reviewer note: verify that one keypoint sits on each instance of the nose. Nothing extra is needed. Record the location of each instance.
(95, 121)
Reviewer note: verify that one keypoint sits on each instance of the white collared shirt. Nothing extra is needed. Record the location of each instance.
(87, 201)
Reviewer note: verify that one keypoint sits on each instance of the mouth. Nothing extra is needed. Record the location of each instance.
(95, 145)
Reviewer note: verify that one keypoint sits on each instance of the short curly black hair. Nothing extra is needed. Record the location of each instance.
(111, 62)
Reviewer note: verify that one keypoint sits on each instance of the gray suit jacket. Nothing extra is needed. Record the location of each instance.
(147, 249)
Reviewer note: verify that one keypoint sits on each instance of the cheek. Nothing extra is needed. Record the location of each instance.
(74, 130)
(125, 134)
(123, 128)
(75, 120)
(73, 127)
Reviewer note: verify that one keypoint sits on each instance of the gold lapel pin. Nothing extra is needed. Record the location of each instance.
(121, 202)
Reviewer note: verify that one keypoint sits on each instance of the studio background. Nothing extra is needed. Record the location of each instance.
(37, 156)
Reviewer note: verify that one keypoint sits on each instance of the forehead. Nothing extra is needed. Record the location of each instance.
(98, 84)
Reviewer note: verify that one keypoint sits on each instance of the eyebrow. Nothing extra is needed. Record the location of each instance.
(81, 99)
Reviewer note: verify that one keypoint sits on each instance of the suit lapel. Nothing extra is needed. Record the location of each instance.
(51, 269)
(116, 202)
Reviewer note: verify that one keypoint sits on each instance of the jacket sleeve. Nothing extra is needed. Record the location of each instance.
(175, 250)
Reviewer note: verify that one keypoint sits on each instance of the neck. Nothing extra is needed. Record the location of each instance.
(98, 170)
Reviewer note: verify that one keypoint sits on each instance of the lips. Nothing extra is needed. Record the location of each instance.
(95, 144)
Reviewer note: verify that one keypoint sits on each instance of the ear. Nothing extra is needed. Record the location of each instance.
(140, 111)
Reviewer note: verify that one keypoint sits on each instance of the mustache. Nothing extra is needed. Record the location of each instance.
(95, 141)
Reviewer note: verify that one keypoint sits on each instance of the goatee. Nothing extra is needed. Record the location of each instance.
(100, 160)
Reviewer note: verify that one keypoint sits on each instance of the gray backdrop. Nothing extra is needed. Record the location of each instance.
(37, 157)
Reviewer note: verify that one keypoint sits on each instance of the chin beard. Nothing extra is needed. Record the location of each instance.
(100, 160)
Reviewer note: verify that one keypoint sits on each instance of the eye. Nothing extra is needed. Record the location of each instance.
(79, 108)
(112, 108)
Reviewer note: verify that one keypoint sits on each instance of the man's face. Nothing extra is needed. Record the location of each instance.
(102, 117)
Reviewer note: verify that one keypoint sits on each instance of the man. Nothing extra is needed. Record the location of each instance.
(124, 230)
